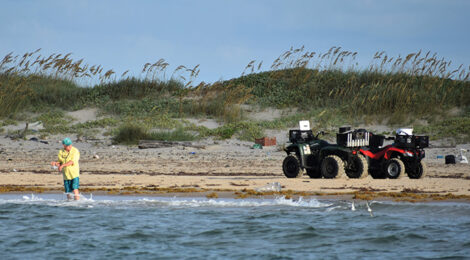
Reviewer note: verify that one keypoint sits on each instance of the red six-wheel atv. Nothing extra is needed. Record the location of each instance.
(405, 155)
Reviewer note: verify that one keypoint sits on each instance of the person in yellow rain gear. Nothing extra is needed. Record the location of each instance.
(68, 165)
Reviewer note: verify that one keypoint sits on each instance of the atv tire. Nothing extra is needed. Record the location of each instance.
(394, 168)
(332, 167)
(314, 173)
(291, 166)
(360, 169)
(418, 172)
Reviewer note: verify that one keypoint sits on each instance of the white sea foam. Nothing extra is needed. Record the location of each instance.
(89, 201)
(333, 208)
(47, 199)
(280, 201)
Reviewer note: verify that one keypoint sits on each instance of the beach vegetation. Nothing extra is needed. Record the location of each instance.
(178, 134)
(456, 127)
(329, 88)
(54, 121)
(132, 133)
(8, 121)
(100, 123)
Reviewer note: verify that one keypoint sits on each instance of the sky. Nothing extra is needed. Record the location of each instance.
(223, 36)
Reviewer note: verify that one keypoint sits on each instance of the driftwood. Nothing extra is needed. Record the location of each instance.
(442, 146)
(146, 144)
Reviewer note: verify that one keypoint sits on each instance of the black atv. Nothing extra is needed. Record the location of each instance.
(320, 158)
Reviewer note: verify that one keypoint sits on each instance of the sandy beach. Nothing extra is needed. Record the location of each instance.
(214, 168)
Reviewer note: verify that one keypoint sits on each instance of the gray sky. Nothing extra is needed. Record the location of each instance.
(223, 36)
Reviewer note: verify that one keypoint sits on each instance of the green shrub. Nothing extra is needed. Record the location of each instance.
(251, 132)
(224, 132)
(130, 134)
(159, 120)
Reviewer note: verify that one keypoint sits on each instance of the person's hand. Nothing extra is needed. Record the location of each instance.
(54, 163)
(60, 168)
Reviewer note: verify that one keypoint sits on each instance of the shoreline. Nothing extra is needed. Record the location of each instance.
(227, 168)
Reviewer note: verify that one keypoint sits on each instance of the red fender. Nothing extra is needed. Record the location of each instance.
(386, 152)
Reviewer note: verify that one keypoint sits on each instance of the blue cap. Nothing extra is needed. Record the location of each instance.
(67, 141)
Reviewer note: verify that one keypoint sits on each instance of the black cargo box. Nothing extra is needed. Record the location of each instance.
(411, 141)
(299, 136)
(422, 141)
(404, 141)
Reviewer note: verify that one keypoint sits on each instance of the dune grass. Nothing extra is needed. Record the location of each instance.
(328, 88)
(365, 92)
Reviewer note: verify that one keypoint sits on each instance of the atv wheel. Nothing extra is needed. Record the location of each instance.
(418, 172)
(359, 169)
(332, 167)
(291, 167)
(314, 173)
(394, 168)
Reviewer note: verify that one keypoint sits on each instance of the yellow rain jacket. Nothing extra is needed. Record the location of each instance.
(70, 172)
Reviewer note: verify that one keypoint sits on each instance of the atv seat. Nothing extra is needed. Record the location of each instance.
(373, 149)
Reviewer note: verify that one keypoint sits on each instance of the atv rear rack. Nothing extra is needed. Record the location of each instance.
(355, 138)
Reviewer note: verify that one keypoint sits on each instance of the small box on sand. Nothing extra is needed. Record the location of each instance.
(266, 141)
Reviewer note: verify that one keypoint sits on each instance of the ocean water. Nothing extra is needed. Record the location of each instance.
(46, 226)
